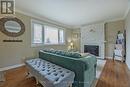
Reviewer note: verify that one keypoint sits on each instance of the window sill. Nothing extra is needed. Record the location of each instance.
(38, 45)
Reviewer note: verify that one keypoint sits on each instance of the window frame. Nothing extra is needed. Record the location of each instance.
(33, 34)
(43, 41)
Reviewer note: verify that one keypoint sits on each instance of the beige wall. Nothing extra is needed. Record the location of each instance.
(128, 39)
(12, 53)
(111, 30)
(76, 40)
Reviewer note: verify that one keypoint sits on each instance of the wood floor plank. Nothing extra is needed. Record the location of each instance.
(17, 78)
(115, 74)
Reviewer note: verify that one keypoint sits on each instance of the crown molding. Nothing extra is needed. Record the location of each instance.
(105, 21)
(44, 19)
(116, 19)
(68, 26)
(127, 11)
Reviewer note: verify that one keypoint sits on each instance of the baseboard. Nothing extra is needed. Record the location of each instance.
(108, 57)
(128, 66)
(100, 57)
(11, 67)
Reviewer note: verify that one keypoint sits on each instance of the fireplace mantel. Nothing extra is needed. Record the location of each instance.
(95, 37)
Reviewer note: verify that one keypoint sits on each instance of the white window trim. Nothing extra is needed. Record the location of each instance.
(47, 24)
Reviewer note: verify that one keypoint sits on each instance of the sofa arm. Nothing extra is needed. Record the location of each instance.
(89, 61)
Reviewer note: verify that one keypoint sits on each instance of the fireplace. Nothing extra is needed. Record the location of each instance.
(93, 49)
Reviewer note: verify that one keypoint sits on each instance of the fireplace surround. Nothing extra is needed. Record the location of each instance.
(92, 49)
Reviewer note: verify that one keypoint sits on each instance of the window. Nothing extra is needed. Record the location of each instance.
(37, 33)
(51, 35)
(61, 36)
(44, 34)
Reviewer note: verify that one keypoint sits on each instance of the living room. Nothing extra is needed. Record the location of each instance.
(88, 38)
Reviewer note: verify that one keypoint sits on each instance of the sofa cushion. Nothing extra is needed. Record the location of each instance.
(64, 53)
(74, 55)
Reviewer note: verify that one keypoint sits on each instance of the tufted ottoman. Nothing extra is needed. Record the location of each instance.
(49, 74)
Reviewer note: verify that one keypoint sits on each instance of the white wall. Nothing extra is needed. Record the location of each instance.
(128, 39)
(93, 38)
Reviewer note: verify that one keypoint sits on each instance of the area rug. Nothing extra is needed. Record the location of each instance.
(99, 69)
(100, 66)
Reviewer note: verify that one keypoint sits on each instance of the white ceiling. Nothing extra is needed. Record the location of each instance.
(75, 12)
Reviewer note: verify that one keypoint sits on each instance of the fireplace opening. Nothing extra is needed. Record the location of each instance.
(92, 49)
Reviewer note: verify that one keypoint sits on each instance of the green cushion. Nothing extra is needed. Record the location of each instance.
(64, 53)
(74, 55)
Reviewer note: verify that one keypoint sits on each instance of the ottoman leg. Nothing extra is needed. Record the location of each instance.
(37, 81)
(28, 74)
(70, 84)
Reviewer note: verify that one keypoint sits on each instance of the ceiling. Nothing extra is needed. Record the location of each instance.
(75, 12)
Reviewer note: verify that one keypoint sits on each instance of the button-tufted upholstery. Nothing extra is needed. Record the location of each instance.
(49, 74)
(84, 67)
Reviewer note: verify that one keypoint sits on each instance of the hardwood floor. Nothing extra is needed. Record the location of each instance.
(115, 74)
(18, 78)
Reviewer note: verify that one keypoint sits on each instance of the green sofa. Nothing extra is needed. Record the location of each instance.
(83, 67)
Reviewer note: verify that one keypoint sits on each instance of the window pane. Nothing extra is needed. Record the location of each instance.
(37, 29)
(51, 35)
(61, 36)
